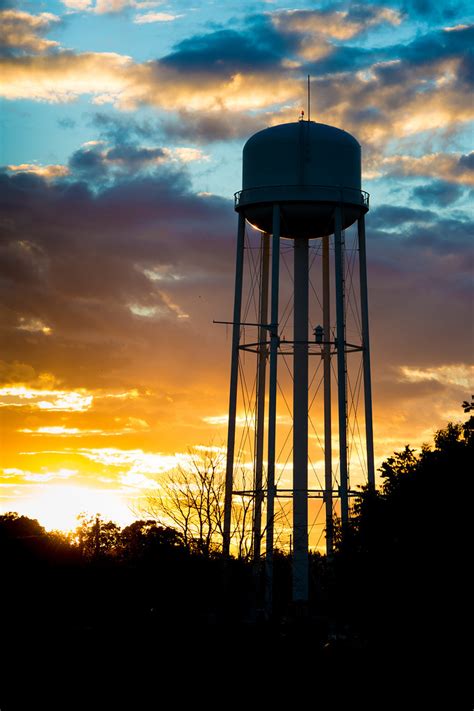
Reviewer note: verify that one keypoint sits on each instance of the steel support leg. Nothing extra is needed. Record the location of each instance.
(327, 396)
(300, 422)
(272, 402)
(364, 310)
(341, 367)
(234, 374)
(260, 413)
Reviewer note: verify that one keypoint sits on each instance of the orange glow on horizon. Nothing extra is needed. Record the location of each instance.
(58, 506)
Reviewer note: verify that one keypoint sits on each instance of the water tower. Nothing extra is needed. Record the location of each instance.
(301, 185)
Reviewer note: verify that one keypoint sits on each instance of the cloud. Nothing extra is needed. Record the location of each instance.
(392, 216)
(118, 128)
(57, 400)
(133, 424)
(222, 53)
(450, 167)
(138, 481)
(228, 82)
(95, 160)
(45, 171)
(109, 6)
(438, 192)
(137, 461)
(64, 76)
(458, 374)
(41, 477)
(112, 78)
(154, 17)
(207, 127)
(88, 259)
(21, 32)
(78, 4)
(466, 162)
(66, 122)
(336, 24)
(33, 325)
(424, 10)
(199, 126)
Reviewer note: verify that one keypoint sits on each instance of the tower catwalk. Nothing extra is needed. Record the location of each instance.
(301, 189)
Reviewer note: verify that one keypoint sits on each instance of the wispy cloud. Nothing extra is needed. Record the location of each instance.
(132, 425)
(53, 400)
(452, 167)
(33, 325)
(136, 461)
(46, 171)
(102, 7)
(38, 477)
(22, 32)
(149, 17)
(457, 374)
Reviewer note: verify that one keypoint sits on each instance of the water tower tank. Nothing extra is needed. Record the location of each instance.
(307, 168)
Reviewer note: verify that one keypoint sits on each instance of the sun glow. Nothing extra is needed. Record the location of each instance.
(58, 506)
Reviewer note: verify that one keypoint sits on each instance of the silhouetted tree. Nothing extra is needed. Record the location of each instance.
(399, 568)
(146, 540)
(95, 537)
(22, 540)
(14, 526)
(191, 499)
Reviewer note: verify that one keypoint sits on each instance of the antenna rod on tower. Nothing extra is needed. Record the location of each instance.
(309, 98)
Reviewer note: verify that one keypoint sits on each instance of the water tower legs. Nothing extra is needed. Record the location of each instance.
(341, 365)
(264, 492)
(260, 413)
(327, 396)
(300, 421)
(364, 310)
(272, 408)
(234, 373)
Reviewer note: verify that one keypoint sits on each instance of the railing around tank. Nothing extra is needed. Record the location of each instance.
(362, 195)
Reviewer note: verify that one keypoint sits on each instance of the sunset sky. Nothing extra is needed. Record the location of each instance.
(122, 126)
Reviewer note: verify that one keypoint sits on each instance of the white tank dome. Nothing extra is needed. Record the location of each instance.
(306, 167)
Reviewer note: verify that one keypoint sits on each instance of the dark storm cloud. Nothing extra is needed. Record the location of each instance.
(399, 75)
(431, 47)
(420, 292)
(76, 260)
(134, 155)
(227, 52)
(97, 161)
(390, 216)
(438, 192)
(428, 10)
(221, 52)
(358, 13)
(213, 126)
(266, 40)
(88, 161)
(466, 69)
(117, 129)
(346, 58)
(440, 43)
(445, 237)
(424, 230)
(466, 162)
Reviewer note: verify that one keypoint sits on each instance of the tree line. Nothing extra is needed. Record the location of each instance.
(392, 590)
